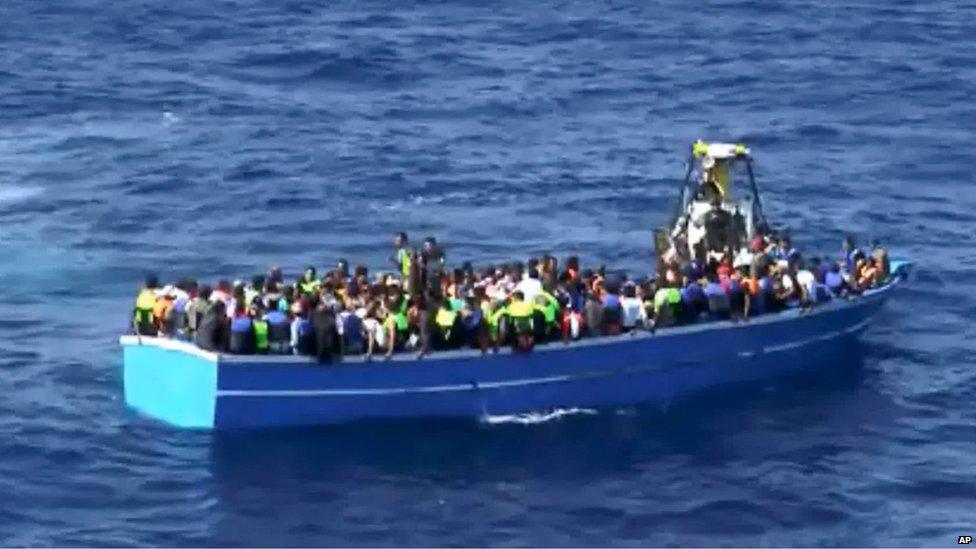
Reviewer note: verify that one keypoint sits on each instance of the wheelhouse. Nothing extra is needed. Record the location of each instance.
(717, 174)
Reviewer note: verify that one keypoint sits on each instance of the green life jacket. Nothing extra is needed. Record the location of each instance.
(551, 308)
(260, 335)
(399, 320)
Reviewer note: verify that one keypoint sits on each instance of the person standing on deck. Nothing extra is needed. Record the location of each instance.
(402, 258)
(212, 331)
(433, 260)
(327, 344)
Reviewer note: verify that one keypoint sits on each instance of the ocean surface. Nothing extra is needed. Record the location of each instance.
(217, 138)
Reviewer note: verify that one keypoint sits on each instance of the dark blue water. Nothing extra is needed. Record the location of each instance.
(216, 138)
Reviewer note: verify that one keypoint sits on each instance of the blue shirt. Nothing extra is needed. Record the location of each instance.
(611, 301)
(834, 281)
(276, 317)
(240, 324)
(714, 289)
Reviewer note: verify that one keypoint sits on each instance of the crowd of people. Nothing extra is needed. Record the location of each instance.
(423, 305)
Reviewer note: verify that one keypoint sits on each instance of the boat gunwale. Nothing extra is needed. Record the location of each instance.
(900, 273)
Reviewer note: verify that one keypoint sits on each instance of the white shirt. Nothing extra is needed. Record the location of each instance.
(341, 321)
(530, 287)
(808, 281)
(634, 312)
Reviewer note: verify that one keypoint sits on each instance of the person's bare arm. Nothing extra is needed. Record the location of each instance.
(390, 339)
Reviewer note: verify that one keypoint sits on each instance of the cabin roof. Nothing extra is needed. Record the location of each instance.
(720, 151)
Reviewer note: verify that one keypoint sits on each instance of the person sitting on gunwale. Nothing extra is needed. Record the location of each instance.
(142, 316)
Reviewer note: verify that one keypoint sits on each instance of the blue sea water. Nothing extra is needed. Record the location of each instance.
(217, 138)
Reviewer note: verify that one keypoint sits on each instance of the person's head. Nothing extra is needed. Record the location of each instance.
(517, 295)
(533, 273)
(572, 262)
(257, 282)
(151, 281)
(219, 309)
(342, 267)
(799, 263)
(533, 263)
(630, 289)
(274, 303)
(310, 273)
(517, 269)
(429, 243)
(223, 285)
(400, 240)
(716, 203)
(361, 271)
(205, 292)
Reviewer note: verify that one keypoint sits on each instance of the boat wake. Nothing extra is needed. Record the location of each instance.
(534, 418)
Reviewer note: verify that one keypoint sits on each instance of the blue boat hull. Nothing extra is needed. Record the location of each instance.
(184, 386)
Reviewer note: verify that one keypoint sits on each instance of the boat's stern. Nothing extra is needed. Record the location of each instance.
(170, 380)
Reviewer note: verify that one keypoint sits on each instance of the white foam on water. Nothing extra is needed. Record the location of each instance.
(535, 418)
(10, 193)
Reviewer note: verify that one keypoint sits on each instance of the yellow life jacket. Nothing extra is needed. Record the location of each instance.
(145, 303)
(721, 177)
(309, 286)
(445, 318)
(404, 262)
(521, 309)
